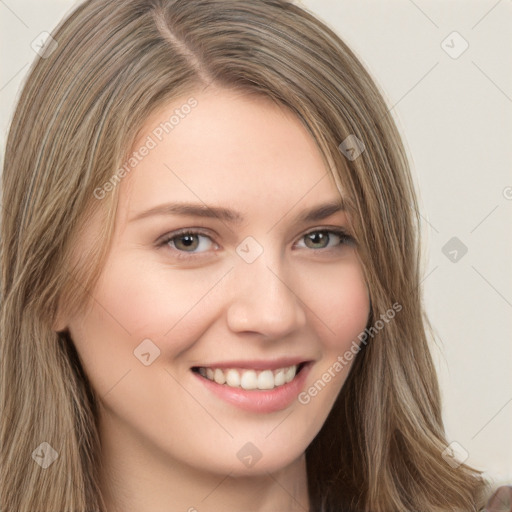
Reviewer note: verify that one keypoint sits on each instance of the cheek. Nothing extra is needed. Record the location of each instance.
(135, 302)
(340, 301)
(338, 297)
(151, 301)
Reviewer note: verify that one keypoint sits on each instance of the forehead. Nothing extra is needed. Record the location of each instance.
(230, 147)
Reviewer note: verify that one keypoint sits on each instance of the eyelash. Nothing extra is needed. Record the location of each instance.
(164, 242)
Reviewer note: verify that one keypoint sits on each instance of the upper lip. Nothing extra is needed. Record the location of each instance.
(257, 364)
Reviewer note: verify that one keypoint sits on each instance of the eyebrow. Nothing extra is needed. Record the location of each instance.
(317, 213)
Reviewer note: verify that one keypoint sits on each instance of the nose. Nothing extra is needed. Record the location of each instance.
(264, 300)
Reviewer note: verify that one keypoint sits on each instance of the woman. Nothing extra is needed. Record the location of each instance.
(210, 276)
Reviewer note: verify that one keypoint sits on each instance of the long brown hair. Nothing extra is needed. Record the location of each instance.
(83, 103)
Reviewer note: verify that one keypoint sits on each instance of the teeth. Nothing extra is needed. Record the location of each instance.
(218, 376)
(250, 379)
(232, 378)
(279, 378)
(266, 380)
(290, 373)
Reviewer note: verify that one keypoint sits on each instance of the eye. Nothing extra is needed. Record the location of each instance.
(325, 239)
(188, 241)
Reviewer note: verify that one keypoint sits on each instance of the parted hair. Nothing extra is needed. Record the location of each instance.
(80, 110)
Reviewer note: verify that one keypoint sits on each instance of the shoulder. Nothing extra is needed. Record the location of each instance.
(501, 500)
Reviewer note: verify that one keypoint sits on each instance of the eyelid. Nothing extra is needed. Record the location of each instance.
(183, 231)
(162, 241)
(342, 232)
(339, 230)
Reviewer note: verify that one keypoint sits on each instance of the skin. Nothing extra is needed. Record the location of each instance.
(168, 443)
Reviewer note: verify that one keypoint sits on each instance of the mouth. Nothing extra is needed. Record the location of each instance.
(251, 379)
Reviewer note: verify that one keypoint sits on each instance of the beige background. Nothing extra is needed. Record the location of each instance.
(456, 118)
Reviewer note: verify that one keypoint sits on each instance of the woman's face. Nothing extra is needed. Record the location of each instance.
(228, 262)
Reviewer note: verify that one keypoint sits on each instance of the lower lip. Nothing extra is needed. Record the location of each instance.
(262, 401)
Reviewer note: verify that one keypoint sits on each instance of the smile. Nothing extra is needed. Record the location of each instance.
(249, 379)
(266, 388)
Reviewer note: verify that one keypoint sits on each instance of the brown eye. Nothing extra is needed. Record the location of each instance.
(325, 239)
(186, 242)
(317, 240)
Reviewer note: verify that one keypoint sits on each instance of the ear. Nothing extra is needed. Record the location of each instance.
(59, 326)
(60, 322)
